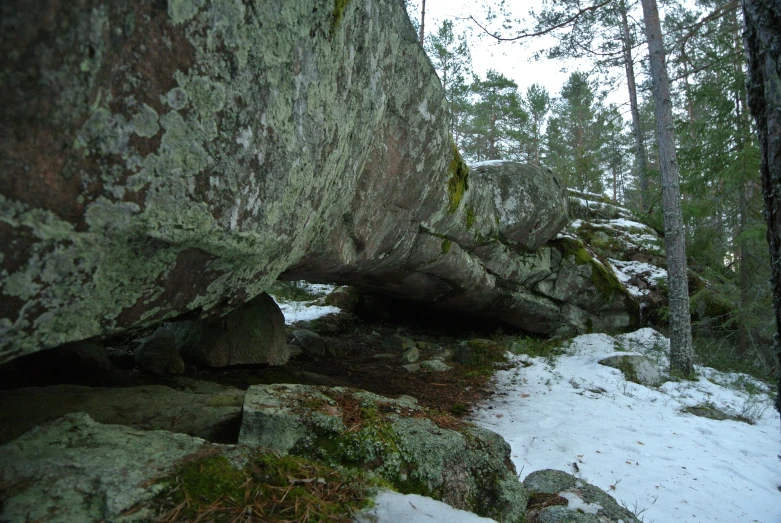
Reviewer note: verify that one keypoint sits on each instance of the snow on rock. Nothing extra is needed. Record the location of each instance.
(392, 507)
(637, 443)
(628, 271)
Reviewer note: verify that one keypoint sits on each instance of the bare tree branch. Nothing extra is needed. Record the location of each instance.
(545, 31)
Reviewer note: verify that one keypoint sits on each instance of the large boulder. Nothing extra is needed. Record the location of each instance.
(195, 151)
(75, 469)
(469, 468)
(250, 334)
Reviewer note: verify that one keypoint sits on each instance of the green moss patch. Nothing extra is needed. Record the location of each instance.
(470, 217)
(458, 182)
(446, 244)
(338, 13)
(486, 354)
(269, 487)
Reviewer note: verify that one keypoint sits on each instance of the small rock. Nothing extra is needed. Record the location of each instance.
(435, 365)
(410, 355)
(398, 343)
(408, 399)
(158, 354)
(294, 350)
(412, 367)
(422, 345)
(638, 369)
(310, 341)
(443, 355)
(463, 354)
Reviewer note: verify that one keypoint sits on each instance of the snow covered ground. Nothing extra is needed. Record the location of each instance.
(636, 442)
(307, 310)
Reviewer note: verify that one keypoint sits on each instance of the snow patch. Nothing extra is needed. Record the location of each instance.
(392, 507)
(637, 439)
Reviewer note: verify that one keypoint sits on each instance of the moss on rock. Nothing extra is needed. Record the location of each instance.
(468, 468)
(458, 181)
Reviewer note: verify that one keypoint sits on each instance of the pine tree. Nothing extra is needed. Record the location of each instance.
(575, 135)
(763, 42)
(452, 60)
(496, 120)
(681, 353)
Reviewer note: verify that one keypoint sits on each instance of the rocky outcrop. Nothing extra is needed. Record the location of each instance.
(469, 468)
(194, 152)
(497, 256)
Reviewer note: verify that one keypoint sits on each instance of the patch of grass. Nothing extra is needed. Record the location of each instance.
(268, 488)
(470, 217)
(458, 181)
(458, 409)
(709, 410)
(486, 354)
(536, 347)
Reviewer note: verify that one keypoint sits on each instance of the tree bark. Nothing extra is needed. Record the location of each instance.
(422, 20)
(681, 354)
(641, 160)
(763, 44)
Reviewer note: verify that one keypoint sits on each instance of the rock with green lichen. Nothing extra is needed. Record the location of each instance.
(558, 497)
(189, 163)
(75, 469)
(468, 468)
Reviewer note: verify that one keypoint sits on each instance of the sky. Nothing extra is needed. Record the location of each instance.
(512, 59)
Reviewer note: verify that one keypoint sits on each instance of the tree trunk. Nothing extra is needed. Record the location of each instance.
(422, 20)
(681, 356)
(763, 44)
(641, 161)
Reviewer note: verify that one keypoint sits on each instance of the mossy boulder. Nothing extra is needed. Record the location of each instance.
(636, 368)
(465, 466)
(558, 497)
(81, 470)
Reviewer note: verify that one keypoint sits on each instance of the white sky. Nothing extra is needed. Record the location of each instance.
(512, 59)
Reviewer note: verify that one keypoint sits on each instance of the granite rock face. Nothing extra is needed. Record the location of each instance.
(195, 151)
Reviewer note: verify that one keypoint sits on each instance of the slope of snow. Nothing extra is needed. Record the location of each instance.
(635, 442)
